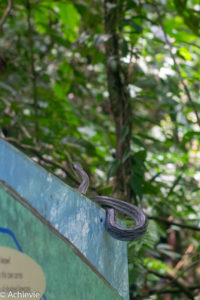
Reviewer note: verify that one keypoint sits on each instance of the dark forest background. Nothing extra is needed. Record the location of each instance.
(114, 85)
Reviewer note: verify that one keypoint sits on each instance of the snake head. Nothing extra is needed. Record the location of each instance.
(76, 166)
(83, 175)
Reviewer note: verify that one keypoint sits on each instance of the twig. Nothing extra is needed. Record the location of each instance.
(6, 13)
(190, 266)
(175, 63)
(33, 72)
(181, 262)
(173, 291)
(167, 291)
(185, 226)
(176, 281)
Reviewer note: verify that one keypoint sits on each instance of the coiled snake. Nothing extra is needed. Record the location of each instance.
(112, 204)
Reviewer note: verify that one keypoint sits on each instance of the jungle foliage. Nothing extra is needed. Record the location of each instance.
(115, 85)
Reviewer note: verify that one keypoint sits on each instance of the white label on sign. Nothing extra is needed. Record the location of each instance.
(20, 276)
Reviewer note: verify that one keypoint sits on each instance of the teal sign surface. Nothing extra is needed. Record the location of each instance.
(67, 272)
(66, 228)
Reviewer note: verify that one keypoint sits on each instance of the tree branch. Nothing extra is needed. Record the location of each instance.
(173, 291)
(6, 13)
(185, 226)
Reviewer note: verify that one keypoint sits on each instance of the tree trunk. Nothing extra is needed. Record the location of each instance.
(119, 98)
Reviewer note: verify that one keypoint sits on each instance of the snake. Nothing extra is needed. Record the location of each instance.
(112, 204)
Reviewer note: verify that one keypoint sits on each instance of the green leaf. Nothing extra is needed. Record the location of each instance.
(123, 133)
(136, 185)
(190, 135)
(126, 155)
(70, 19)
(113, 168)
(183, 51)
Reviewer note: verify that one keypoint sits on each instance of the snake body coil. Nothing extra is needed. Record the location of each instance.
(135, 213)
(112, 204)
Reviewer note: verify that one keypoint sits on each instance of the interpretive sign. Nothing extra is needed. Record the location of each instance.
(53, 244)
(20, 276)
